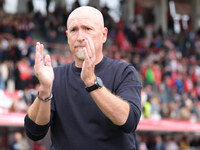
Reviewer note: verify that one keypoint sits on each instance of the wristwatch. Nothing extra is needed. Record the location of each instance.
(98, 84)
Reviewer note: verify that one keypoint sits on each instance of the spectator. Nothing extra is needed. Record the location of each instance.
(19, 143)
(38, 146)
(172, 144)
(184, 143)
(160, 145)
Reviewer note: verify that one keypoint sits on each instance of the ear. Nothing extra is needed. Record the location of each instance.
(105, 32)
(67, 33)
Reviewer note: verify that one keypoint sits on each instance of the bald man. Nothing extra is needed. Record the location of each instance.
(92, 103)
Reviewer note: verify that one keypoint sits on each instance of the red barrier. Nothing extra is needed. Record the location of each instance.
(168, 125)
(163, 125)
(12, 119)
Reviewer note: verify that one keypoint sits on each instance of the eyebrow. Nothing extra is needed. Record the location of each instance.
(82, 26)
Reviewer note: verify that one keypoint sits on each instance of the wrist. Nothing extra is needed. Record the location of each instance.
(98, 84)
(44, 92)
(46, 99)
(90, 82)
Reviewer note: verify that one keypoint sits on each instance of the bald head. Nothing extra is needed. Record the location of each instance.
(87, 12)
(85, 28)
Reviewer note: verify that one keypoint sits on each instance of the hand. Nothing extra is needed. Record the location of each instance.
(87, 73)
(43, 72)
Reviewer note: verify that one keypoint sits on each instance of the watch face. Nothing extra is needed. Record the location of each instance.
(99, 82)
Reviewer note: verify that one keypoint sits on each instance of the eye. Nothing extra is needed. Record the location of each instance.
(88, 28)
(73, 30)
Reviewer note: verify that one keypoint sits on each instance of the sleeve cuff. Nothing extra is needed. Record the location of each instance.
(132, 121)
(33, 130)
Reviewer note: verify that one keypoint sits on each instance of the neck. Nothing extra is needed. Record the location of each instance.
(79, 63)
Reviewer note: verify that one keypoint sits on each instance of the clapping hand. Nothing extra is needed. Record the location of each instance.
(43, 69)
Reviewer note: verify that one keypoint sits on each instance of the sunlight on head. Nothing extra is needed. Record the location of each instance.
(87, 11)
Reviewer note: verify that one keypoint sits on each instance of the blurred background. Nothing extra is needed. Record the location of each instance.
(160, 38)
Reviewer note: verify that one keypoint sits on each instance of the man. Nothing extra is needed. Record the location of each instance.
(92, 103)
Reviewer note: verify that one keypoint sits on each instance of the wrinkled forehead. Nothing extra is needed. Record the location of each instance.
(88, 13)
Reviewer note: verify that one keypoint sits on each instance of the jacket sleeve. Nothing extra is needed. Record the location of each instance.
(34, 131)
(129, 88)
(132, 121)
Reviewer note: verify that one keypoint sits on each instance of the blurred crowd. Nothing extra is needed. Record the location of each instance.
(168, 141)
(168, 64)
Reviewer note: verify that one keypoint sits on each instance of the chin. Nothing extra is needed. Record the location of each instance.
(80, 54)
(80, 57)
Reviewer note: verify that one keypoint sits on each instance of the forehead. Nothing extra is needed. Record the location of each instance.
(87, 21)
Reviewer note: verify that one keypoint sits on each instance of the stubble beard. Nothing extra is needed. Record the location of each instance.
(80, 55)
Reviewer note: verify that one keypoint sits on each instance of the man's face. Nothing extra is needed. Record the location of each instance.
(82, 30)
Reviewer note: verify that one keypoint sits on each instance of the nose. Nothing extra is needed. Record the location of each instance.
(81, 36)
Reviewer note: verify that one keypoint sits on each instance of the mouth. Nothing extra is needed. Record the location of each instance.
(79, 45)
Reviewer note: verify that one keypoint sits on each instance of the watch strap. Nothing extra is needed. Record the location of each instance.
(91, 88)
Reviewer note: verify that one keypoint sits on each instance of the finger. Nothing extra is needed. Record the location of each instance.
(91, 49)
(48, 61)
(38, 55)
(41, 49)
(88, 47)
(85, 53)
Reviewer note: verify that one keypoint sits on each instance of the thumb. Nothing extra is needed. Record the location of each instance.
(48, 61)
